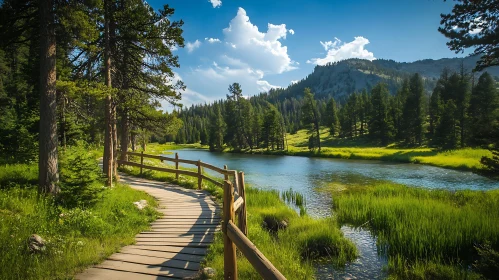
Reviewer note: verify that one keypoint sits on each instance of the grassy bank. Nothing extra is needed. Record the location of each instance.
(361, 148)
(290, 250)
(427, 234)
(75, 238)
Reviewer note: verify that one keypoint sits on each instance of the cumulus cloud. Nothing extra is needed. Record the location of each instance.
(189, 96)
(246, 56)
(213, 81)
(338, 50)
(192, 46)
(261, 50)
(212, 40)
(291, 31)
(215, 3)
(294, 81)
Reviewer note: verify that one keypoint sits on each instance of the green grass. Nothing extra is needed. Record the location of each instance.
(156, 148)
(76, 238)
(424, 232)
(362, 148)
(292, 250)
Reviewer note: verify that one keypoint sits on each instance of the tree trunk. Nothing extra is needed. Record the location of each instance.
(115, 143)
(108, 134)
(48, 160)
(124, 134)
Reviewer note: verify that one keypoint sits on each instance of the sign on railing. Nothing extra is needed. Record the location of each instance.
(234, 202)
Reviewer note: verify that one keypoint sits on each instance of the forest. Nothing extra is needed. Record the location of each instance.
(461, 111)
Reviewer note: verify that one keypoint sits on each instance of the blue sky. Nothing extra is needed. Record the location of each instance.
(272, 43)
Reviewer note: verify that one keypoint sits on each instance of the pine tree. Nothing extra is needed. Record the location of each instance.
(446, 133)
(310, 117)
(484, 111)
(332, 120)
(217, 130)
(414, 114)
(380, 126)
(48, 157)
(473, 24)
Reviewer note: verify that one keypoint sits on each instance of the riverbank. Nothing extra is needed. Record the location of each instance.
(291, 250)
(427, 234)
(75, 237)
(467, 159)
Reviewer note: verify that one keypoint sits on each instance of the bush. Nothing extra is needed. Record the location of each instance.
(81, 177)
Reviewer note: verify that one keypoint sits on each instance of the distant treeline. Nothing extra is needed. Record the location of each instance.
(462, 110)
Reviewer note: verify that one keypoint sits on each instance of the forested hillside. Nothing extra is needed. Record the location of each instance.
(382, 100)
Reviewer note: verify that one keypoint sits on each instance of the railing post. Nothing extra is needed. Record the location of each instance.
(226, 177)
(200, 178)
(176, 166)
(141, 161)
(230, 264)
(242, 218)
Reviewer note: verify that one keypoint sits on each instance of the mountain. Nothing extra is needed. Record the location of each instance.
(341, 78)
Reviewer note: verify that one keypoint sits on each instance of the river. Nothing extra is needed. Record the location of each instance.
(311, 176)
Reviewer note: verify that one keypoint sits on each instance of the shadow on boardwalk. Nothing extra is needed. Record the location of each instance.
(176, 243)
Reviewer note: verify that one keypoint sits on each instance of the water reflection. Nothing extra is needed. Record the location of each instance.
(316, 178)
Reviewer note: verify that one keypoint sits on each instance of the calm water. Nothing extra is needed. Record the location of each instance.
(312, 176)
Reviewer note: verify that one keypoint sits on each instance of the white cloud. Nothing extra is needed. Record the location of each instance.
(213, 81)
(212, 40)
(192, 46)
(337, 51)
(291, 31)
(189, 96)
(260, 50)
(294, 81)
(215, 3)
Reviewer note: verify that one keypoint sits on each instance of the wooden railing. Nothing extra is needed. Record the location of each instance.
(234, 202)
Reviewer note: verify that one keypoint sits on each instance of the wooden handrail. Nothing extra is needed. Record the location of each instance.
(261, 264)
(234, 236)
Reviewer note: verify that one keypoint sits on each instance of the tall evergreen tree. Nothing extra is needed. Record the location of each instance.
(310, 117)
(217, 130)
(332, 120)
(380, 126)
(48, 142)
(484, 111)
(414, 114)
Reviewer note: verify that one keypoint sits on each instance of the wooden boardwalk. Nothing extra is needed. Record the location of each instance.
(176, 243)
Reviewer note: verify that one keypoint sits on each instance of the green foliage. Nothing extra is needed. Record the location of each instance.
(472, 25)
(488, 261)
(311, 119)
(81, 177)
(415, 225)
(484, 111)
(380, 126)
(75, 238)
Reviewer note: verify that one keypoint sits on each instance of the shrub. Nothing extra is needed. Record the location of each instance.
(81, 177)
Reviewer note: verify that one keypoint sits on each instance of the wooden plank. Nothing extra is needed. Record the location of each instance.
(238, 203)
(230, 262)
(186, 239)
(193, 223)
(172, 249)
(164, 255)
(242, 216)
(212, 167)
(174, 243)
(261, 264)
(190, 231)
(148, 260)
(187, 161)
(173, 234)
(212, 180)
(96, 273)
(146, 269)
